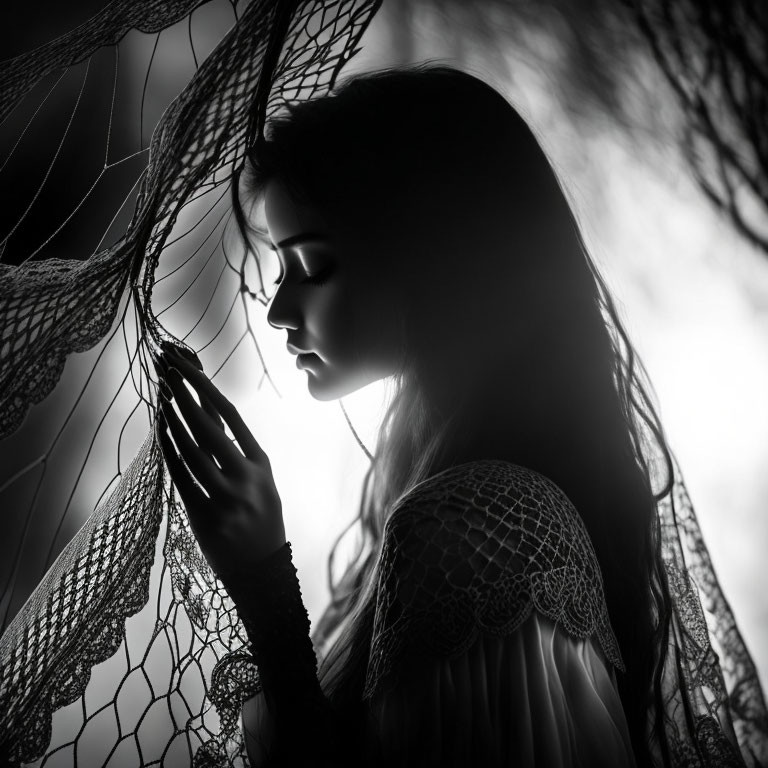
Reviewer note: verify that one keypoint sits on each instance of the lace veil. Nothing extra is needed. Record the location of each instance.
(187, 674)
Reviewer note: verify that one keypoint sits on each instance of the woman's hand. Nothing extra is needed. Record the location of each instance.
(240, 520)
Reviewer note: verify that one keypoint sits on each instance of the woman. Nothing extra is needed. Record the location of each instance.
(508, 605)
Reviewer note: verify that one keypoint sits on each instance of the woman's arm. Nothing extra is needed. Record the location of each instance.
(291, 722)
(534, 698)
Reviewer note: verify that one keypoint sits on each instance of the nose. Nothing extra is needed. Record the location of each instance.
(283, 312)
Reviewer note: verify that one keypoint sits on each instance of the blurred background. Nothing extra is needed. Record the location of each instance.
(692, 288)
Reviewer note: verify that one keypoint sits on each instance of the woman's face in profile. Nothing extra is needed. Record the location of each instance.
(332, 299)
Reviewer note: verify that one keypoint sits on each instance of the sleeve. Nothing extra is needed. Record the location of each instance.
(536, 697)
(290, 722)
(491, 643)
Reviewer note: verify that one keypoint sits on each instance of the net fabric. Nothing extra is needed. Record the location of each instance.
(20, 74)
(474, 550)
(48, 310)
(53, 308)
(275, 53)
(76, 616)
(191, 671)
(712, 698)
(200, 140)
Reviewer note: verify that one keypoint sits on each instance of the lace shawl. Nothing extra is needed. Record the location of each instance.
(474, 549)
(138, 545)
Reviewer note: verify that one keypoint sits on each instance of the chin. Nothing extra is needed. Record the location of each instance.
(324, 388)
(325, 391)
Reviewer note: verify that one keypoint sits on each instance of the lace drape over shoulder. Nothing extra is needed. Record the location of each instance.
(490, 621)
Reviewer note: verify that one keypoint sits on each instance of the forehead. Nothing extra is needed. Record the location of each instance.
(286, 217)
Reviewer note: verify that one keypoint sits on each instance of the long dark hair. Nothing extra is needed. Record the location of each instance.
(514, 348)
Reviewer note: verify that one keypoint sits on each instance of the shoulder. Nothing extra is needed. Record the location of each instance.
(486, 485)
(474, 550)
(499, 511)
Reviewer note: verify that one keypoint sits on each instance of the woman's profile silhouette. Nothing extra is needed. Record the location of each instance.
(509, 604)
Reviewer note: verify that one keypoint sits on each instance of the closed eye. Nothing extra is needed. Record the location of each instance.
(320, 278)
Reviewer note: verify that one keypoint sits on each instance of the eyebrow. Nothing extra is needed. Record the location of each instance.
(302, 237)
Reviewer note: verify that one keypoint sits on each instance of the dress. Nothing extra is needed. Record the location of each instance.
(490, 642)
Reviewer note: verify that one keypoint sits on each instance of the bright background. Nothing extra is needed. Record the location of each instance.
(693, 294)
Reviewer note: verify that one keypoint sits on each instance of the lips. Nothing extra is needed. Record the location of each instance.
(294, 350)
(305, 358)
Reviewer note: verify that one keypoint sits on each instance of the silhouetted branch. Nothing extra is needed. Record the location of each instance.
(715, 57)
(712, 53)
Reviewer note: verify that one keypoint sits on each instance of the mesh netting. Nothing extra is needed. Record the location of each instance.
(130, 651)
(173, 683)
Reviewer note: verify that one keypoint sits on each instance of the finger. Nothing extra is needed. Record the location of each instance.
(204, 386)
(162, 366)
(201, 465)
(205, 430)
(182, 351)
(180, 476)
(210, 409)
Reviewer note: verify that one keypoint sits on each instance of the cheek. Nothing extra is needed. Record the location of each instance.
(332, 315)
(354, 322)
